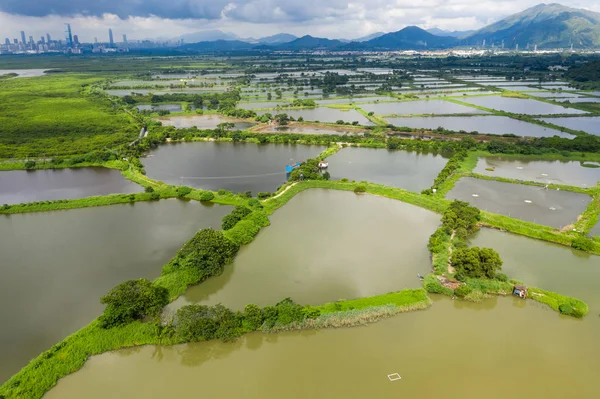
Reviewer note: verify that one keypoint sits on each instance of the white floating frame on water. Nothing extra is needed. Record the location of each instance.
(394, 377)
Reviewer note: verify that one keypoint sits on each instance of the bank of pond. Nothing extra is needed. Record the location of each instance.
(57, 264)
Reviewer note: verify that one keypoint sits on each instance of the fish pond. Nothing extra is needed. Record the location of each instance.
(56, 265)
(549, 207)
(160, 107)
(411, 171)
(571, 173)
(237, 167)
(327, 115)
(317, 249)
(588, 124)
(490, 124)
(310, 130)
(203, 122)
(521, 106)
(420, 108)
(19, 186)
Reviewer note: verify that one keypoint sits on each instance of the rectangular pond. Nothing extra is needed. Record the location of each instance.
(263, 104)
(204, 122)
(24, 73)
(310, 130)
(482, 124)
(521, 106)
(56, 265)
(237, 167)
(531, 203)
(322, 114)
(408, 170)
(19, 186)
(588, 124)
(317, 249)
(557, 172)
(420, 108)
(160, 107)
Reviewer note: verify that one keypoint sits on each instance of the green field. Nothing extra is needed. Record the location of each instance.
(51, 115)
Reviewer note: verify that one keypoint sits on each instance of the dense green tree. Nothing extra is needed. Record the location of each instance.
(132, 300)
(209, 251)
(476, 262)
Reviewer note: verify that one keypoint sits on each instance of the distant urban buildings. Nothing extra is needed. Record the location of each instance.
(71, 44)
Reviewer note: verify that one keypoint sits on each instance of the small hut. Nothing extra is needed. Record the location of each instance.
(520, 291)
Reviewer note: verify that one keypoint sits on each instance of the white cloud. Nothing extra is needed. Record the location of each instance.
(254, 18)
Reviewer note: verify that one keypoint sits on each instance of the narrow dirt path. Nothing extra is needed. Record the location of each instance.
(283, 192)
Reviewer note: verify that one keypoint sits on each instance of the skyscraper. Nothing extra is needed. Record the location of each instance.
(111, 41)
(7, 41)
(43, 40)
(68, 35)
(76, 39)
(48, 38)
(124, 38)
(23, 37)
(30, 39)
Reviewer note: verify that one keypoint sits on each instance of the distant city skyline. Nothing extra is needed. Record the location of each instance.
(154, 19)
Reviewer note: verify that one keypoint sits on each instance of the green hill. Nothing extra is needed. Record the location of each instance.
(545, 25)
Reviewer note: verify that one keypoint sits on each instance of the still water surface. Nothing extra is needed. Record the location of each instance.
(522, 106)
(408, 170)
(557, 172)
(549, 207)
(325, 245)
(420, 108)
(328, 115)
(56, 265)
(18, 186)
(231, 166)
(588, 124)
(203, 122)
(482, 124)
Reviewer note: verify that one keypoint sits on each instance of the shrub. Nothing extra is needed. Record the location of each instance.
(344, 180)
(288, 312)
(238, 213)
(583, 244)
(459, 276)
(223, 192)
(182, 191)
(30, 165)
(148, 189)
(263, 195)
(207, 196)
(131, 300)
(253, 317)
(565, 308)
(433, 285)
(154, 196)
(501, 277)
(360, 189)
(462, 291)
(255, 203)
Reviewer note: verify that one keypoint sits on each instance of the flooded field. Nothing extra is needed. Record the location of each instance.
(203, 122)
(58, 264)
(19, 186)
(420, 108)
(588, 124)
(534, 204)
(482, 124)
(237, 167)
(344, 232)
(558, 172)
(522, 106)
(408, 170)
(327, 115)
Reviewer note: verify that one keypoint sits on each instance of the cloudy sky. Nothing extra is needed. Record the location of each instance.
(141, 19)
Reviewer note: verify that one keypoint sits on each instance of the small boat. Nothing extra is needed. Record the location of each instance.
(323, 165)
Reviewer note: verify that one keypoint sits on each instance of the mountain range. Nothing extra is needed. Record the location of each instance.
(544, 26)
